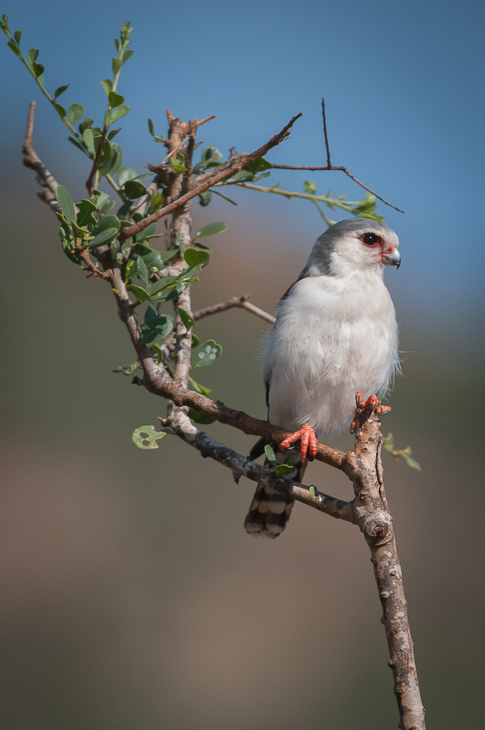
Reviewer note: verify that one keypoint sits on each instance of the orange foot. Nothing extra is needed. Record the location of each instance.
(371, 404)
(308, 443)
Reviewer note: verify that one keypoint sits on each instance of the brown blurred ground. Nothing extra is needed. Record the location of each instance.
(131, 596)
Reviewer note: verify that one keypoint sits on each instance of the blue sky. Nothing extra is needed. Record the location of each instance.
(402, 82)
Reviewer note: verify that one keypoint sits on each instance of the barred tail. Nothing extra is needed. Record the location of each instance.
(270, 510)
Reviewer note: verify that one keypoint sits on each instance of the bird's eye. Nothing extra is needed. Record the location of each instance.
(370, 239)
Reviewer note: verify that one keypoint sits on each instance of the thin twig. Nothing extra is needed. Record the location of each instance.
(234, 302)
(32, 160)
(325, 133)
(99, 152)
(342, 169)
(329, 165)
(241, 162)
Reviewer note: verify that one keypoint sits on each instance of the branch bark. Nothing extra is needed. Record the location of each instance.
(241, 302)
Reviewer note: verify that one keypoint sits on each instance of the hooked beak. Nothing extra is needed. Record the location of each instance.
(393, 258)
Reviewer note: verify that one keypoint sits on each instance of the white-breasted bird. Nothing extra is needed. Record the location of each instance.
(335, 337)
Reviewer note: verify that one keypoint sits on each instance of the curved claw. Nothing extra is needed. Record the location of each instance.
(372, 403)
(308, 443)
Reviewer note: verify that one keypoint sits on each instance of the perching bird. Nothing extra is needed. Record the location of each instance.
(335, 336)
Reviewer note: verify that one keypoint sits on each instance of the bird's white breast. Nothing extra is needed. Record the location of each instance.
(333, 336)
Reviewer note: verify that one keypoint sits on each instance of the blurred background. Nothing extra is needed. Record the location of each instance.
(131, 595)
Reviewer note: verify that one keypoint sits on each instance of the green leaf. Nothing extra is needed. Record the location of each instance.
(128, 369)
(159, 352)
(119, 111)
(134, 189)
(258, 165)
(75, 113)
(270, 454)
(205, 198)
(88, 137)
(103, 237)
(150, 313)
(388, 442)
(210, 157)
(108, 221)
(161, 284)
(412, 462)
(195, 341)
(33, 55)
(142, 270)
(106, 207)
(153, 262)
(127, 55)
(127, 173)
(207, 354)
(107, 85)
(157, 329)
(141, 294)
(61, 90)
(156, 202)
(147, 232)
(59, 109)
(85, 124)
(211, 230)
(194, 257)
(186, 318)
(216, 192)
(17, 35)
(197, 417)
(198, 387)
(38, 69)
(283, 469)
(151, 128)
(111, 162)
(115, 99)
(14, 48)
(116, 63)
(114, 132)
(65, 202)
(146, 437)
(76, 144)
(310, 187)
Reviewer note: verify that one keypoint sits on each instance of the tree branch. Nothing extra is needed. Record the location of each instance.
(32, 160)
(234, 302)
(241, 162)
(329, 165)
(240, 466)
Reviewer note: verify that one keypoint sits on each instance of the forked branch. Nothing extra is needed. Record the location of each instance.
(329, 165)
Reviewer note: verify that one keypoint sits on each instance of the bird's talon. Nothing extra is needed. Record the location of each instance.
(370, 405)
(308, 443)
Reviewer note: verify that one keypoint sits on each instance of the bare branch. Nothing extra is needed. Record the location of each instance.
(325, 133)
(32, 160)
(241, 162)
(364, 467)
(234, 302)
(329, 165)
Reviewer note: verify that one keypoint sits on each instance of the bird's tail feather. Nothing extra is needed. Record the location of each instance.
(270, 510)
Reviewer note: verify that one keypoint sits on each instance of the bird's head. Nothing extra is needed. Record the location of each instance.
(354, 244)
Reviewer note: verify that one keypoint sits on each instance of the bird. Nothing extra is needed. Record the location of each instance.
(335, 337)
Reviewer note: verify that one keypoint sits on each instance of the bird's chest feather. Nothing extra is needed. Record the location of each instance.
(332, 329)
